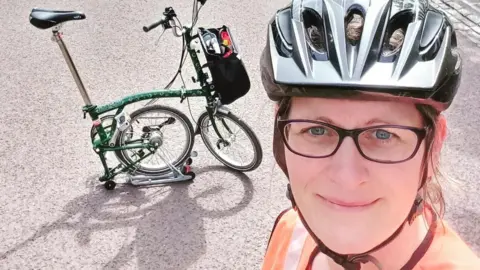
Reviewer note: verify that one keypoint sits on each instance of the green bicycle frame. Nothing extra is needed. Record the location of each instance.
(95, 111)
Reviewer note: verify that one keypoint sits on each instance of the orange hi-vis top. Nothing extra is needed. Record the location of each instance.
(291, 248)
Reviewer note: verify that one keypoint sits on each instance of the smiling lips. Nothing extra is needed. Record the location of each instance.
(354, 205)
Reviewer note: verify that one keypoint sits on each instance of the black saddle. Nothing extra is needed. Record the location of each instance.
(46, 18)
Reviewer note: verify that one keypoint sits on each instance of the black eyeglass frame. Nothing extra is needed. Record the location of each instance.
(353, 133)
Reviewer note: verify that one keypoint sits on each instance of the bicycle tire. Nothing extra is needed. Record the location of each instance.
(184, 155)
(258, 156)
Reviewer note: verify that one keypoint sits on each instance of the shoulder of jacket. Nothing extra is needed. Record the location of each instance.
(287, 217)
(450, 252)
(284, 221)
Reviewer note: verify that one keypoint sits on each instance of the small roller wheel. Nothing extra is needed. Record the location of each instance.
(186, 169)
(110, 185)
(192, 174)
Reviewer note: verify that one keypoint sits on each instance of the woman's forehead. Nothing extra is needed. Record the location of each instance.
(354, 113)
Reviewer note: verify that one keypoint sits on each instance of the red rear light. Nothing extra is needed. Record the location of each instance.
(227, 41)
(225, 36)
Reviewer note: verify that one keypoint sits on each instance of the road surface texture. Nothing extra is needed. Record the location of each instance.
(54, 214)
(465, 15)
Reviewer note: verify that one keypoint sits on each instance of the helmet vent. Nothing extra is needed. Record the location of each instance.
(395, 35)
(394, 43)
(354, 23)
(316, 38)
(315, 32)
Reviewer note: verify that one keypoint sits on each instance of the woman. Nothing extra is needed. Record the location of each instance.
(360, 89)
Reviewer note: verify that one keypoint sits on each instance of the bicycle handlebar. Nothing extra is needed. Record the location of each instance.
(153, 26)
(168, 15)
(167, 20)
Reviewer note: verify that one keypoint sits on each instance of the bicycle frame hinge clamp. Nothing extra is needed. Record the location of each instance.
(182, 96)
(87, 109)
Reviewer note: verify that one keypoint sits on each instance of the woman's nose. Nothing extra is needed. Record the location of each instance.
(347, 166)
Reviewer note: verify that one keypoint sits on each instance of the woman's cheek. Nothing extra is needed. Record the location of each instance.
(400, 181)
(302, 172)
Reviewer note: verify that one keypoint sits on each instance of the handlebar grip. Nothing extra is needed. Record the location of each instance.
(152, 26)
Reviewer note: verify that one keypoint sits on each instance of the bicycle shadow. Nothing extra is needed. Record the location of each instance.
(173, 237)
(169, 233)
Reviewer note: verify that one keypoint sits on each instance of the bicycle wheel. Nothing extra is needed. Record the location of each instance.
(142, 130)
(228, 126)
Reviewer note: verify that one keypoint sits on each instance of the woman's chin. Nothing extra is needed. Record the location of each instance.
(347, 239)
(347, 248)
(347, 231)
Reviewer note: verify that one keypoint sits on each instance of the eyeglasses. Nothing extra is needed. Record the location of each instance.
(382, 143)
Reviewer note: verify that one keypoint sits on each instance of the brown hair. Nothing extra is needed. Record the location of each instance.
(431, 190)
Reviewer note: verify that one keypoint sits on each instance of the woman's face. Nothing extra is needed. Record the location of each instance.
(353, 204)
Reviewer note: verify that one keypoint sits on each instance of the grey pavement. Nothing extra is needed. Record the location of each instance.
(465, 16)
(54, 214)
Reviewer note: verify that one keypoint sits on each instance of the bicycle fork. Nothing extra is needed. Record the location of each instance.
(215, 127)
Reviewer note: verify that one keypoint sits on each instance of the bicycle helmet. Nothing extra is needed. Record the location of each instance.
(393, 49)
(383, 49)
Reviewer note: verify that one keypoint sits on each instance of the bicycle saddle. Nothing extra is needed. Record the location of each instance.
(46, 18)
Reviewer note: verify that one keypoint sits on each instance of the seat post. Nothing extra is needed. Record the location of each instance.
(57, 36)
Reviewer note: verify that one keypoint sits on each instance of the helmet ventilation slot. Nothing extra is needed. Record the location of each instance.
(315, 33)
(395, 36)
(354, 22)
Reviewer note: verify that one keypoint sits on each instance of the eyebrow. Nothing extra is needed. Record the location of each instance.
(369, 122)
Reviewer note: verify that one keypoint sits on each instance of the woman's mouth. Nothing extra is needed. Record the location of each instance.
(347, 205)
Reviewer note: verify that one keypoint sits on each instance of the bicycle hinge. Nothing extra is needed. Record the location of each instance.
(87, 109)
(182, 95)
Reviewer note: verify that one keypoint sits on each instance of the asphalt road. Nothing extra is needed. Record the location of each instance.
(54, 214)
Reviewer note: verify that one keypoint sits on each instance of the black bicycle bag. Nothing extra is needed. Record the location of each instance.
(229, 75)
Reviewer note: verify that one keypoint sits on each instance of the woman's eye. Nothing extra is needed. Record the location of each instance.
(382, 134)
(317, 131)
